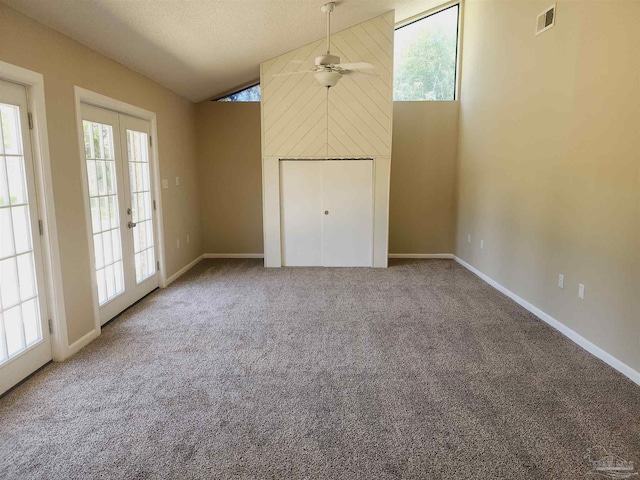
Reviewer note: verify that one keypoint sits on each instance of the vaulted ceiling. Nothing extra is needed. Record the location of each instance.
(201, 48)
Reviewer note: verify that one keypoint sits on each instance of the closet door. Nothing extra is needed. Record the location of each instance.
(326, 213)
(301, 213)
(347, 204)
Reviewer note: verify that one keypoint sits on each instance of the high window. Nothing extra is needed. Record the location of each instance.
(249, 94)
(425, 57)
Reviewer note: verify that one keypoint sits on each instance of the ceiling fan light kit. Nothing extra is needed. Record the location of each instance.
(328, 68)
(328, 78)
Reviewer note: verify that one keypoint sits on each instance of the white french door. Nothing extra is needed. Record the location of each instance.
(326, 212)
(25, 343)
(120, 198)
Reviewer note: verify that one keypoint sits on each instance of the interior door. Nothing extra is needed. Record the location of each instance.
(119, 194)
(326, 212)
(24, 334)
(347, 204)
(301, 212)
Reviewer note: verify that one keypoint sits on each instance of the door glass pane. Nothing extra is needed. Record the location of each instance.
(14, 331)
(141, 214)
(30, 321)
(19, 312)
(105, 215)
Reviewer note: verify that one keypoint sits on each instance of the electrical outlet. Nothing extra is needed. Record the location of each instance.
(581, 291)
(177, 181)
(165, 183)
(481, 244)
(469, 238)
(561, 281)
(178, 243)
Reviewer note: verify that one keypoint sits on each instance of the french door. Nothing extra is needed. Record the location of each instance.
(326, 212)
(119, 186)
(25, 343)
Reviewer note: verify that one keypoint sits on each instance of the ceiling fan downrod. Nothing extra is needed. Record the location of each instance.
(328, 59)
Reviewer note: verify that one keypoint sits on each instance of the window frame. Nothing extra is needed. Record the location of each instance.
(458, 61)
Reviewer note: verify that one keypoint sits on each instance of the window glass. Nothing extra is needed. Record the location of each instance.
(425, 58)
(251, 94)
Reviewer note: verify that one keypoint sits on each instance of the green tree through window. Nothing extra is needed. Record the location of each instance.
(425, 58)
(251, 94)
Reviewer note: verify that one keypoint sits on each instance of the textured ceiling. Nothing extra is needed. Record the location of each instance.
(201, 48)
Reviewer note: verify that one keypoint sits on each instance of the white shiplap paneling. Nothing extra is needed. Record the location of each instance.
(302, 119)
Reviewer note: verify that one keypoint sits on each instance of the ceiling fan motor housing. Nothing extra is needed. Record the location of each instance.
(327, 59)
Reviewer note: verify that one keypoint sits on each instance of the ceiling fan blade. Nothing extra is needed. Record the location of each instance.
(285, 74)
(357, 66)
(359, 75)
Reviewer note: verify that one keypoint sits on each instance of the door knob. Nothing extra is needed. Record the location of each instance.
(131, 224)
(326, 212)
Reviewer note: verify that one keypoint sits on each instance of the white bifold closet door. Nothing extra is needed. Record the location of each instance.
(326, 212)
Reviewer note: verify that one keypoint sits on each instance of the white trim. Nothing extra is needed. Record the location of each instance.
(34, 83)
(76, 346)
(233, 255)
(183, 270)
(421, 255)
(609, 359)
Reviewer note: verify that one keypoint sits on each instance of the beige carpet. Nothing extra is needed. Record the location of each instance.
(236, 371)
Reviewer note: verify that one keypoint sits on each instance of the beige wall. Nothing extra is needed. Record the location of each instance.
(549, 161)
(230, 176)
(421, 220)
(64, 64)
(422, 204)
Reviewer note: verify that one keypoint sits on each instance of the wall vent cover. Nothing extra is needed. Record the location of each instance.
(546, 19)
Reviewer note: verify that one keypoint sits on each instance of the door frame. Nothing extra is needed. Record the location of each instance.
(82, 95)
(39, 141)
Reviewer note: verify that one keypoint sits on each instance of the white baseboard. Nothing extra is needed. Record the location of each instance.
(233, 255)
(182, 271)
(622, 367)
(421, 255)
(76, 346)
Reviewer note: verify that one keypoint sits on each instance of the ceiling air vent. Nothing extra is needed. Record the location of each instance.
(546, 19)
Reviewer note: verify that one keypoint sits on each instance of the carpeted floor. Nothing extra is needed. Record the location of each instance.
(236, 371)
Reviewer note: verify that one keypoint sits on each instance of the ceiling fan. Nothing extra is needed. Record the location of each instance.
(327, 69)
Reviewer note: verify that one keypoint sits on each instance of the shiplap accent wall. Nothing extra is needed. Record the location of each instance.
(301, 119)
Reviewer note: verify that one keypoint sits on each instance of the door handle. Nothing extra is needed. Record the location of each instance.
(131, 224)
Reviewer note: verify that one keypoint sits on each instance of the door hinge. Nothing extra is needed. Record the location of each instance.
(50, 327)
(154, 205)
(30, 118)
(40, 227)
(158, 266)
(150, 141)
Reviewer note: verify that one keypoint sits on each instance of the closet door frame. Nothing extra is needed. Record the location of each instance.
(84, 96)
